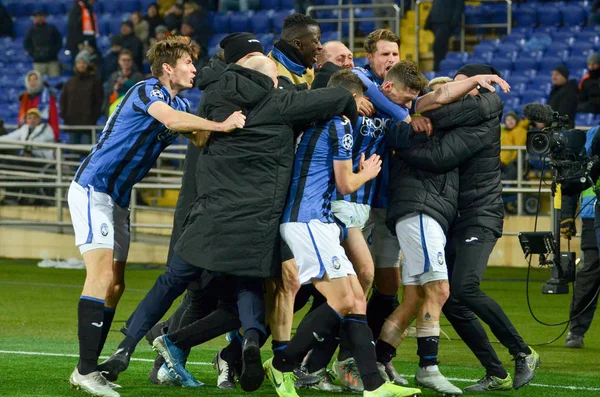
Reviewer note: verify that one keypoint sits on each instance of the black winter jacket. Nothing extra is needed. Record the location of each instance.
(206, 81)
(43, 43)
(589, 93)
(563, 99)
(475, 149)
(445, 12)
(414, 191)
(75, 34)
(243, 177)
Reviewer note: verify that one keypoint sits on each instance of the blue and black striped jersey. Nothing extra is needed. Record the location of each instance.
(130, 143)
(313, 180)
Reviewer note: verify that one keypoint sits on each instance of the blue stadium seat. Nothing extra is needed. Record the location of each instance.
(270, 4)
(581, 51)
(239, 21)
(512, 102)
(526, 73)
(55, 8)
(537, 55)
(558, 46)
(524, 17)
(516, 38)
(543, 29)
(447, 72)
(219, 23)
(114, 25)
(363, 61)
(507, 52)
(451, 64)
(584, 119)
(563, 38)
(329, 36)
(557, 52)
(144, 4)
(526, 63)
(261, 22)
(524, 30)
(505, 73)
(540, 85)
(216, 39)
(481, 57)
(576, 63)
(534, 96)
(111, 6)
(60, 22)
(22, 26)
(571, 28)
(266, 39)
(517, 88)
(591, 28)
(278, 18)
(287, 4)
(130, 5)
(589, 36)
(268, 47)
(17, 9)
(578, 74)
(502, 63)
(428, 75)
(494, 43)
(573, 15)
(550, 62)
(459, 56)
(549, 16)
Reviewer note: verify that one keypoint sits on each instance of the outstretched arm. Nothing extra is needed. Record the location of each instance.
(380, 101)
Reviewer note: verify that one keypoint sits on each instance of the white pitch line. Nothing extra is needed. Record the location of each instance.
(146, 360)
(73, 286)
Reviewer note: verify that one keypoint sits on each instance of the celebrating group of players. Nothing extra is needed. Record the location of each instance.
(302, 185)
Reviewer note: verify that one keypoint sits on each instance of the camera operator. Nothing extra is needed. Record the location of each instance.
(585, 299)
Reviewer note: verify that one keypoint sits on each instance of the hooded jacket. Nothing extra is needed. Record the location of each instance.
(81, 98)
(41, 98)
(243, 177)
(471, 143)
(563, 99)
(206, 81)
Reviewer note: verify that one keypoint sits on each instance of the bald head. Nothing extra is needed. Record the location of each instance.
(263, 65)
(337, 53)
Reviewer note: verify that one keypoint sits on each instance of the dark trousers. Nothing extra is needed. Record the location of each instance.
(442, 33)
(174, 282)
(586, 286)
(467, 255)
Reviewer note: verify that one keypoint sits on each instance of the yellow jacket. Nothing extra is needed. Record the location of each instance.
(307, 77)
(515, 137)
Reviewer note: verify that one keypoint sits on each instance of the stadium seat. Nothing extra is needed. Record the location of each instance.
(532, 96)
(507, 52)
(505, 73)
(363, 61)
(111, 6)
(516, 79)
(144, 4)
(16, 9)
(557, 52)
(278, 18)
(270, 4)
(524, 17)
(459, 56)
(287, 4)
(114, 25)
(22, 26)
(261, 22)
(527, 31)
(547, 30)
(580, 51)
(502, 63)
(563, 37)
(571, 28)
(584, 119)
(549, 16)
(55, 8)
(329, 36)
(550, 62)
(219, 23)
(579, 73)
(539, 85)
(526, 63)
(518, 88)
(573, 15)
(451, 64)
(428, 75)
(215, 39)
(516, 38)
(130, 5)
(239, 21)
(447, 72)
(529, 73)
(267, 38)
(512, 102)
(576, 63)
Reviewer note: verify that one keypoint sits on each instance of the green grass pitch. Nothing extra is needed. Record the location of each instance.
(38, 338)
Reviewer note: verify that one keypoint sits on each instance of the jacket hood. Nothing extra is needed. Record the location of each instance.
(40, 86)
(244, 87)
(210, 73)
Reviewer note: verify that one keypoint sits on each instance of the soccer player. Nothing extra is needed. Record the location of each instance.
(323, 163)
(148, 120)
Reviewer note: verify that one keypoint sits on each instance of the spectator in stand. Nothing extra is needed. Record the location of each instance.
(563, 97)
(95, 56)
(195, 16)
(174, 17)
(595, 14)
(111, 58)
(38, 95)
(241, 5)
(589, 87)
(43, 42)
(121, 91)
(127, 70)
(2, 128)
(82, 26)
(81, 98)
(153, 19)
(34, 130)
(6, 23)
(335, 52)
(444, 17)
(164, 6)
(160, 33)
(141, 28)
(132, 43)
(514, 133)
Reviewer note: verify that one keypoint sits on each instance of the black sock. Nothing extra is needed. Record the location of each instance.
(384, 351)
(128, 343)
(90, 318)
(278, 347)
(379, 307)
(252, 335)
(321, 355)
(109, 315)
(233, 351)
(219, 322)
(345, 351)
(427, 349)
(315, 326)
(363, 350)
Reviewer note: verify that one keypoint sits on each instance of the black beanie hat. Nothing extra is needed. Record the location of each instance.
(562, 70)
(238, 45)
(473, 69)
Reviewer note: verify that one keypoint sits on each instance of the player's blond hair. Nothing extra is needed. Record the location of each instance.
(377, 35)
(435, 83)
(169, 51)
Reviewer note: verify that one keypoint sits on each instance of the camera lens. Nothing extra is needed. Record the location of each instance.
(540, 143)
